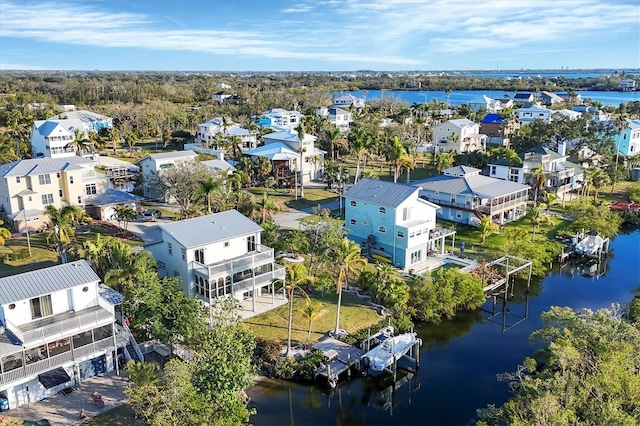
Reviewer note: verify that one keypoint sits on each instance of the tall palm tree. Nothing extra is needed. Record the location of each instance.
(80, 142)
(61, 223)
(311, 311)
(445, 160)
(598, 178)
(332, 135)
(539, 180)
(548, 198)
(536, 218)
(301, 150)
(266, 208)
(398, 157)
(348, 260)
(296, 276)
(207, 189)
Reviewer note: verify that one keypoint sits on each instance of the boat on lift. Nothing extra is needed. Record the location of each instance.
(389, 351)
(589, 245)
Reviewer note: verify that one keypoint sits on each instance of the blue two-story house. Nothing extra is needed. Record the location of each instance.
(391, 222)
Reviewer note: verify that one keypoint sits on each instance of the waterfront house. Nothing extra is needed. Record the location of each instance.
(485, 104)
(626, 85)
(561, 175)
(465, 196)
(627, 139)
(459, 135)
(392, 223)
(153, 164)
(348, 101)
(28, 186)
(550, 98)
(524, 98)
(338, 117)
(279, 119)
(57, 327)
(218, 255)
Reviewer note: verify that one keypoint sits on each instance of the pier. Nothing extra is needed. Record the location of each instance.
(339, 357)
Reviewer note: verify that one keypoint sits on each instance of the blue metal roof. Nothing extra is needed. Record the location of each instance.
(110, 295)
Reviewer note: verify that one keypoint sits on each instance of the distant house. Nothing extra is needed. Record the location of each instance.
(465, 196)
(337, 116)
(526, 99)
(459, 135)
(627, 140)
(567, 113)
(561, 175)
(486, 104)
(52, 137)
(597, 115)
(390, 220)
(218, 165)
(153, 164)
(626, 85)
(219, 255)
(279, 119)
(28, 186)
(206, 133)
(497, 127)
(527, 115)
(58, 328)
(221, 96)
(550, 98)
(348, 101)
(290, 156)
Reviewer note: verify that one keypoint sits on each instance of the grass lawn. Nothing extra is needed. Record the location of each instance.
(43, 254)
(354, 316)
(118, 416)
(383, 171)
(285, 197)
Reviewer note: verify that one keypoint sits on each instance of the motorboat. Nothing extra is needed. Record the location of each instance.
(589, 245)
(389, 351)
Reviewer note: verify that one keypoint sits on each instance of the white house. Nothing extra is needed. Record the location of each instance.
(28, 186)
(206, 133)
(221, 96)
(626, 85)
(459, 135)
(290, 156)
(390, 221)
(218, 255)
(570, 114)
(57, 326)
(337, 116)
(155, 163)
(485, 103)
(51, 137)
(527, 115)
(279, 119)
(348, 101)
(561, 175)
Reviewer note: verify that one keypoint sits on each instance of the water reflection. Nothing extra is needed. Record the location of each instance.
(504, 312)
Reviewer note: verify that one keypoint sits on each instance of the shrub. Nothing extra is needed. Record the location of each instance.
(267, 350)
(284, 368)
(306, 367)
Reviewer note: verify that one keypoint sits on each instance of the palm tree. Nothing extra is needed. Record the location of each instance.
(4, 233)
(399, 158)
(598, 178)
(266, 208)
(445, 160)
(487, 227)
(539, 180)
(296, 276)
(207, 189)
(124, 214)
(301, 150)
(311, 311)
(357, 145)
(332, 135)
(7, 154)
(348, 259)
(80, 142)
(537, 218)
(548, 198)
(61, 223)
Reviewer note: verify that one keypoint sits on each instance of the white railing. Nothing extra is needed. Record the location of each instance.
(48, 363)
(14, 329)
(277, 273)
(11, 376)
(65, 327)
(260, 256)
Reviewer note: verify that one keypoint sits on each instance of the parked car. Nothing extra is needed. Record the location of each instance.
(151, 215)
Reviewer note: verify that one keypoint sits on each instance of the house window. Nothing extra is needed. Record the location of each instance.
(199, 254)
(44, 179)
(90, 189)
(41, 307)
(79, 199)
(58, 175)
(70, 179)
(353, 222)
(183, 253)
(416, 256)
(47, 199)
(251, 243)
(382, 229)
(382, 210)
(406, 213)
(60, 193)
(17, 179)
(169, 249)
(458, 214)
(353, 204)
(400, 234)
(30, 198)
(493, 170)
(226, 244)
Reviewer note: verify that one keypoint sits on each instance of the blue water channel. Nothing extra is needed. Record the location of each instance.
(459, 358)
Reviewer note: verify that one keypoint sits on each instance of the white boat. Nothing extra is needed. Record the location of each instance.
(390, 350)
(589, 245)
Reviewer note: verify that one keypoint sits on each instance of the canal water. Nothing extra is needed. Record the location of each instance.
(459, 358)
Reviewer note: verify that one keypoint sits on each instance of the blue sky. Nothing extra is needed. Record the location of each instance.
(318, 35)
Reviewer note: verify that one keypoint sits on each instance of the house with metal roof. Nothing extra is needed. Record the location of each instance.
(207, 134)
(31, 185)
(460, 135)
(220, 255)
(485, 103)
(498, 128)
(279, 119)
(465, 196)
(627, 138)
(348, 101)
(338, 117)
(561, 176)
(392, 223)
(56, 328)
(153, 164)
(528, 114)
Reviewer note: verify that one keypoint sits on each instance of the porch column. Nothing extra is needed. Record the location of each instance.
(501, 218)
(442, 245)
(253, 292)
(115, 360)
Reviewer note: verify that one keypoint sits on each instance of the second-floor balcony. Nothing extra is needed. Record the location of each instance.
(60, 324)
(494, 206)
(262, 255)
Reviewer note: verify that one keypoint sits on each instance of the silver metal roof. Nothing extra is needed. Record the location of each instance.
(380, 192)
(172, 154)
(45, 281)
(40, 166)
(478, 185)
(212, 228)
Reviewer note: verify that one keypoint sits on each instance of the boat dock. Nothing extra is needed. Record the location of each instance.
(339, 357)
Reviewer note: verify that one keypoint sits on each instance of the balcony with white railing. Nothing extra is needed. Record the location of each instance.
(258, 281)
(261, 256)
(62, 324)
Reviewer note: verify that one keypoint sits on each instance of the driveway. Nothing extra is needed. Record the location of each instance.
(291, 220)
(150, 232)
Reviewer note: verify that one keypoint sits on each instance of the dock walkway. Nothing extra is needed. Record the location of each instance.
(339, 356)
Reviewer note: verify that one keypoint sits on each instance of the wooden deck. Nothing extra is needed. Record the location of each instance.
(339, 356)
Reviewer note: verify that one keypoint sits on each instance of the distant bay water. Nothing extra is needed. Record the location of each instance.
(464, 96)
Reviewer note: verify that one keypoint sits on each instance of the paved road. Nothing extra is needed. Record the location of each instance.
(150, 232)
(291, 220)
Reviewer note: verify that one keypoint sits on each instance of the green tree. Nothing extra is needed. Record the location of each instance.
(348, 261)
(539, 180)
(266, 209)
(311, 311)
(600, 219)
(297, 275)
(180, 183)
(80, 142)
(61, 226)
(548, 199)
(124, 214)
(487, 227)
(633, 192)
(445, 160)
(208, 188)
(536, 217)
(597, 178)
(4, 233)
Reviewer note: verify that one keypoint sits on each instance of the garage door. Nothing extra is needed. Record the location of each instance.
(93, 367)
(109, 213)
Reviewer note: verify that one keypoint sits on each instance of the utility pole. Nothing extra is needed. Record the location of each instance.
(26, 227)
